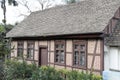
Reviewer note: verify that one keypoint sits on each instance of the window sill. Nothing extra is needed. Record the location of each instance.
(79, 67)
(60, 64)
(16, 57)
(114, 70)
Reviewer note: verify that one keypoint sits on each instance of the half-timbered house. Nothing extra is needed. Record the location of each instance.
(71, 36)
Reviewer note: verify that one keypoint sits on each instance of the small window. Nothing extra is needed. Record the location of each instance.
(20, 49)
(79, 54)
(60, 51)
(30, 50)
(114, 58)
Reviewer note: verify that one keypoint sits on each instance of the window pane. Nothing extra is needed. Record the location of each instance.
(62, 57)
(76, 46)
(57, 46)
(56, 60)
(20, 52)
(62, 46)
(20, 46)
(76, 58)
(30, 46)
(82, 47)
(30, 53)
(57, 56)
(82, 58)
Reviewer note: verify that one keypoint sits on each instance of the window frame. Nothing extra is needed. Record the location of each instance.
(29, 48)
(111, 55)
(60, 42)
(80, 42)
(19, 55)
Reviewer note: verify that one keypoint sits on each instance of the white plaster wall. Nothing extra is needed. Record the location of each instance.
(59, 67)
(52, 57)
(36, 45)
(43, 43)
(36, 55)
(69, 59)
(91, 46)
(52, 45)
(25, 49)
(119, 58)
(106, 58)
(69, 46)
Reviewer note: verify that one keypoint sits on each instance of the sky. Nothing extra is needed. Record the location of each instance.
(14, 14)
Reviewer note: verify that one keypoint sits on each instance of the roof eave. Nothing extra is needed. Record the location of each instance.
(63, 36)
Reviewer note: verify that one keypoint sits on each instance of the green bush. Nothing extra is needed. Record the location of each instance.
(46, 73)
(49, 73)
(76, 75)
(16, 70)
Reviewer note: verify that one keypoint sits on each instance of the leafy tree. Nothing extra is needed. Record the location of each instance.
(1, 29)
(3, 6)
(4, 43)
(13, 2)
(9, 27)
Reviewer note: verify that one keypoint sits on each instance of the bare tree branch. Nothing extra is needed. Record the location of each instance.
(43, 4)
(25, 4)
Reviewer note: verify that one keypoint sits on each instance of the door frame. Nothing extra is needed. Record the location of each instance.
(39, 53)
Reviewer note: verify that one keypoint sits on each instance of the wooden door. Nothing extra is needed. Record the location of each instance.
(43, 57)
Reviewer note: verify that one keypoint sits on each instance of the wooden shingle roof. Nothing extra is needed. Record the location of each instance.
(88, 16)
(114, 38)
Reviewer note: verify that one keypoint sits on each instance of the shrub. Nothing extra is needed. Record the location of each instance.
(49, 73)
(17, 70)
(46, 73)
(76, 75)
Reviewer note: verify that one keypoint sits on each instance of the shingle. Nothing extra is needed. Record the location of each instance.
(114, 38)
(88, 16)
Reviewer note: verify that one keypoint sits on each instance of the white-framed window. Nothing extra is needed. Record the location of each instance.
(114, 58)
